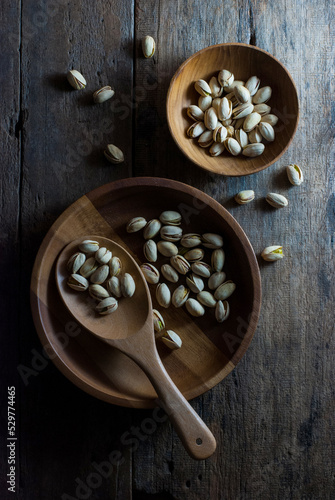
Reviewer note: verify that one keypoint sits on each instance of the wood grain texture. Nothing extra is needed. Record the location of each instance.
(274, 415)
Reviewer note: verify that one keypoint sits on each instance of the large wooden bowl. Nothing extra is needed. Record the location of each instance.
(244, 61)
(210, 350)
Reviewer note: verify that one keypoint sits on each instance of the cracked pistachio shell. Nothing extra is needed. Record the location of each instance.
(75, 262)
(216, 89)
(222, 310)
(103, 94)
(252, 150)
(216, 280)
(276, 200)
(225, 109)
(217, 259)
(115, 266)
(194, 254)
(195, 113)
(114, 154)
(171, 233)
(167, 248)
(163, 295)
(151, 229)
(88, 267)
(136, 224)
(196, 129)
(107, 306)
(241, 137)
(150, 273)
(232, 146)
(169, 273)
(219, 134)
(252, 84)
(210, 118)
(206, 139)
(244, 197)
(195, 283)
(242, 94)
(216, 149)
(180, 296)
(251, 121)
(225, 78)
(262, 95)
(191, 240)
(195, 308)
(206, 299)
(103, 256)
(201, 269)
(170, 217)
(225, 290)
(243, 110)
(100, 275)
(262, 109)
(128, 286)
(271, 119)
(76, 79)
(89, 246)
(77, 282)
(159, 323)
(203, 88)
(114, 286)
(255, 135)
(294, 174)
(267, 131)
(150, 251)
(148, 46)
(272, 253)
(180, 264)
(172, 340)
(211, 240)
(205, 102)
(98, 292)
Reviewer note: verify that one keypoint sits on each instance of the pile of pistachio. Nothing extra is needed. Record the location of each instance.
(239, 122)
(95, 269)
(184, 258)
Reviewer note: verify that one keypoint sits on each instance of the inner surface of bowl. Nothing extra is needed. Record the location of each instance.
(243, 61)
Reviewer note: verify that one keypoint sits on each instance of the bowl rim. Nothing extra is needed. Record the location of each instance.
(230, 44)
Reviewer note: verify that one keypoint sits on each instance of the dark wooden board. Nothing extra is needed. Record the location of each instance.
(273, 417)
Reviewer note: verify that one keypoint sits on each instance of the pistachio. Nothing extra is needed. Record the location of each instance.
(221, 311)
(203, 88)
(262, 95)
(206, 139)
(241, 137)
(201, 268)
(115, 266)
(294, 174)
(172, 340)
(169, 273)
(267, 131)
(88, 267)
(205, 102)
(114, 286)
(151, 229)
(180, 296)
(196, 129)
(206, 299)
(128, 286)
(252, 150)
(244, 197)
(170, 217)
(231, 97)
(225, 290)
(180, 264)
(216, 280)
(216, 89)
(276, 200)
(195, 283)
(210, 118)
(252, 84)
(225, 109)
(262, 109)
(98, 292)
(150, 251)
(255, 135)
(219, 134)
(226, 78)
(216, 149)
(217, 259)
(77, 282)
(195, 308)
(232, 146)
(251, 121)
(243, 110)
(272, 253)
(76, 79)
(194, 254)
(167, 248)
(148, 46)
(271, 119)
(195, 113)
(89, 246)
(191, 240)
(136, 224)
(171, 233)
(107, 306)
(114, 154)
(216, 104)
(231, 87)
(103, 94)
(100, 275)
(159, 323)
(242, 94)
(75, 262)
(211, 240)
(150, 273)
(103, 256)
(163, 295)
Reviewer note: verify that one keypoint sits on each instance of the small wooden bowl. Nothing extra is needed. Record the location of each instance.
(243, 61)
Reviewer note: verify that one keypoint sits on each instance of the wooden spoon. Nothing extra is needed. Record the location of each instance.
(130, 329)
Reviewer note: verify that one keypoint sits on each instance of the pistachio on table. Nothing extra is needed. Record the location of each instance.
(103, 94)
(201, 269)
(167, 248)
(180, 264)
(150, 250)
(272, 253)
(148, 46)
(206, 299)
(180, 296)
(171, 339)
(244, 197)
(194, 307)
(276, 200)
(151, 229)
(76, 79)
(150, 273)
(163, 295)
(136, 224)
(159, 323)
(294, 174)
(195, 283)
(169, 273)
(114, 154)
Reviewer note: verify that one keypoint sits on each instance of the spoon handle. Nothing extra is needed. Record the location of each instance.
(197, 439)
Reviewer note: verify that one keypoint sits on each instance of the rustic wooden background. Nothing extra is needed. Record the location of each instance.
(274, 415)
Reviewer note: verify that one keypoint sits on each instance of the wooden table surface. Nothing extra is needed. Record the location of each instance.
(273, 416)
